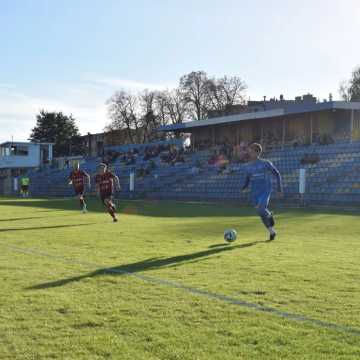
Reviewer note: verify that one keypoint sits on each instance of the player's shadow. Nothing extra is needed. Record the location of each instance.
(222, 245)
(145, 265)
(143, 208)
(23, 218)
(32, 218)
(44, 227)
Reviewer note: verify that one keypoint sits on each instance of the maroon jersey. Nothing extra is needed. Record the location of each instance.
(78, 179)
(105, 182)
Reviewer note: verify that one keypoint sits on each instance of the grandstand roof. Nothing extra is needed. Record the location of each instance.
(283, 111)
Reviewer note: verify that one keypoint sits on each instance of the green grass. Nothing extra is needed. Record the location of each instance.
(65, 292)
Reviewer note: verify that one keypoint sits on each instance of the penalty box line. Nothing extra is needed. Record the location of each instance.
(204, 293)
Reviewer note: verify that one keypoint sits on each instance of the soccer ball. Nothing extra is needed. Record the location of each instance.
(230, 235)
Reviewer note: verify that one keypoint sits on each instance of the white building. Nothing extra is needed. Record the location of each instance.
(16, 158)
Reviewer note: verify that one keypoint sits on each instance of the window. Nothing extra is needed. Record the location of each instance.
(19, 150)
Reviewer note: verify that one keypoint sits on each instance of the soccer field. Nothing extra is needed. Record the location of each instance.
(162, 284)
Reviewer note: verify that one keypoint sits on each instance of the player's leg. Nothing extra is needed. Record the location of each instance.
(82, 202)
(271, 219)
(79, 192)
(110, 208)
(265, 214)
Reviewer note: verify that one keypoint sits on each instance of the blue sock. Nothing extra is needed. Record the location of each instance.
(265, 216)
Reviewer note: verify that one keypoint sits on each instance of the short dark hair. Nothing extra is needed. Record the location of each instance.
(256, 147)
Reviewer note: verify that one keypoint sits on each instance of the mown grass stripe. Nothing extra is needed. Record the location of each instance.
(196, 291)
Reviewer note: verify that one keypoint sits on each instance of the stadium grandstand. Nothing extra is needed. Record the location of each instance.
(321, 137)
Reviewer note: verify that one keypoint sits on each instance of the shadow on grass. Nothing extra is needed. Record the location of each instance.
(166, 209)
(142, 208)
(24, 218)
(44, 227)
(145, 265)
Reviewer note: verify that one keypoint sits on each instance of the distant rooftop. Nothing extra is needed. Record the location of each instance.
(7, 143)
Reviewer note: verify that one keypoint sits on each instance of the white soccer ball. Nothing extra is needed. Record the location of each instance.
(230, 235)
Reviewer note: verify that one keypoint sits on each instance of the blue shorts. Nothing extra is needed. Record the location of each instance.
(261, 200)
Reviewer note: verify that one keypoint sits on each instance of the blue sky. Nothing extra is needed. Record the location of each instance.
(71, 55)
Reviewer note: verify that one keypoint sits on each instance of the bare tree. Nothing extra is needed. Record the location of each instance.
(344, 90)
(123, 111)
(141, 114)
(149, 118)
(195, 89)
(226, 92)
(350, 90)
(171, 106)
(161, 102)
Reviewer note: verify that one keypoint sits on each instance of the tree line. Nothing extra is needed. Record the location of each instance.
(196, 95)
(140, 114)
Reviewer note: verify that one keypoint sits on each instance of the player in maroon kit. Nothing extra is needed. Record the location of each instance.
(77, 179)
(104, 181)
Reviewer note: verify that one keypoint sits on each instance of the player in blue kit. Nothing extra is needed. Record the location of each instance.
(258, 175)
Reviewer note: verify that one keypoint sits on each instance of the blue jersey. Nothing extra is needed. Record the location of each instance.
(258, 175)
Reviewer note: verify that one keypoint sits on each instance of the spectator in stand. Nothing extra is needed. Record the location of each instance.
(151, 165)
(298, 141)
(241, 152)
(147, 154)
(316, 139)
(226, 149)
(326, 139)
(212, 159)
(179, 159)
(130, 159)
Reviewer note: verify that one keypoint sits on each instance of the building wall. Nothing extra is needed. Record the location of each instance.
(96, 144)
(19, 161)
(246, 132)
(225, 134)
(5, 182)
(301, 128)
(356, 128)
(200, 136)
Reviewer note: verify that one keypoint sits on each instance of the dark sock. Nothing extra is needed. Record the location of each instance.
(265, 216)
(111, 210)
(82, 203)
(271, 220)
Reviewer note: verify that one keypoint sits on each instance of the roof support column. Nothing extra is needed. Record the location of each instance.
(351, 125)
(283, 132)
(213, 135)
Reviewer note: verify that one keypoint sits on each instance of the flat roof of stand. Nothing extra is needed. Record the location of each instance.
(287, 109)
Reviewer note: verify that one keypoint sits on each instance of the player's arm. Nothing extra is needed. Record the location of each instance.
(70, 180)
(117, 182)
(277, 175)
(87, 176)
(246, 183)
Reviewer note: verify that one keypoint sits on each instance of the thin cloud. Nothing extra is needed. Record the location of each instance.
(85, 100)
(18, 112)
(128, 84)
